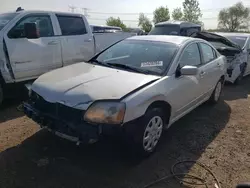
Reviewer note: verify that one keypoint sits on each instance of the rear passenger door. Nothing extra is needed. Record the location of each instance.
(211, 67)
(77, 39)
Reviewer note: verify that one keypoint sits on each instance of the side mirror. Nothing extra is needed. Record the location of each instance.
(31, 31)
(189, 70)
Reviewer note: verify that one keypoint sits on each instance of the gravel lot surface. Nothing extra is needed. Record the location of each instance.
(217, 136)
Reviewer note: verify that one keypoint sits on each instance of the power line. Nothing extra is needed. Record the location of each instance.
(72, 8)
(90, 18)
(147, 13)
(150, 13)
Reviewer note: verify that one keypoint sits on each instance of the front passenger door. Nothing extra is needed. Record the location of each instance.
(30, 58)
(188, 89)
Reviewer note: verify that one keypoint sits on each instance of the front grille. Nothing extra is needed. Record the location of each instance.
(57, 110)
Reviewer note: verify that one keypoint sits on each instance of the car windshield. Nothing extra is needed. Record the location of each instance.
(165, 30)
(152, 57)
(238, 40)
(5, 18)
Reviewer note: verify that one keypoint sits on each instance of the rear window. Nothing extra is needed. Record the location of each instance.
(238, 40)
(72, 25)
(144, 55)
(165, 30)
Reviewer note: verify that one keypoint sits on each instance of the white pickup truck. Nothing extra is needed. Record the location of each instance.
(35, 42)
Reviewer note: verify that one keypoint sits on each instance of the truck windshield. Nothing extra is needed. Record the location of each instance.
(238, 40)
(5, 18)
(152, 57)
(165, 30)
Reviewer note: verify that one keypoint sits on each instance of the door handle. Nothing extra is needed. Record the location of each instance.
(52, 43)
(202, 73)
(218, 64)
(87, 40)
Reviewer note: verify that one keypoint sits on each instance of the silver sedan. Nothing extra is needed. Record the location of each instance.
(135, 89)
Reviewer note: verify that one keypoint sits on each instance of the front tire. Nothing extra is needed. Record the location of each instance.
(215, 97)
(149, 131)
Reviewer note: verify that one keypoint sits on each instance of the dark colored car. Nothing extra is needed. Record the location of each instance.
(175, 28)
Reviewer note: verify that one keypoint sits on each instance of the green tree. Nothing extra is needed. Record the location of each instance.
(144, 23)
(111, 21)
(191, 11)
(177, 14)
(234, 18)
(161, 14)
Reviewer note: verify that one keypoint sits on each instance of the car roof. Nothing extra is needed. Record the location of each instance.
(44, 11)
(233, 34)
(181, 23)
(178, 40)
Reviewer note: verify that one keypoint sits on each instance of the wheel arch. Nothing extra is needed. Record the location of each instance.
(165, 106)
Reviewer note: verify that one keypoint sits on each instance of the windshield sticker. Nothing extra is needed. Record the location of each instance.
(152, 64)
(3, 22)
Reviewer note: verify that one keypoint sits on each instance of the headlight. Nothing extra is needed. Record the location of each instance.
(105, 112)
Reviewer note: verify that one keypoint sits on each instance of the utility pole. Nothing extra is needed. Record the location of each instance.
(85, 12)
(72, 8)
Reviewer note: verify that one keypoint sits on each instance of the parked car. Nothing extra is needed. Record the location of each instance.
(136, 88)
(180, 28)
(238, 62)
(243, 41)
(35, 42)
(105, 29)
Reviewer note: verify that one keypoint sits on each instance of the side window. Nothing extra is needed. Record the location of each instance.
(207, 52)
(71, 25)
(43, 23)
(191, 56)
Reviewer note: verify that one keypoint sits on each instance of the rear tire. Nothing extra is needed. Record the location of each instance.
(240, 77)
(238, 80)
(147, 135)
(215, 97)
(1, 95)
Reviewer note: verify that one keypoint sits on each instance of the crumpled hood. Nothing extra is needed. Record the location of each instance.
(211, 37)
(84, 83)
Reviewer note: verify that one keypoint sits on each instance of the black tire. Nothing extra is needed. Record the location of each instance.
(140, 132)
(238, 80)
(240, 77)
(1, 95)
(215, 97)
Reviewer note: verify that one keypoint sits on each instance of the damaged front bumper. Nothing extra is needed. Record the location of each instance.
(81, 132)
(234, 72)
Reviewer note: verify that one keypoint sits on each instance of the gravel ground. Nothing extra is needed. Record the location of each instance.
(217, 136)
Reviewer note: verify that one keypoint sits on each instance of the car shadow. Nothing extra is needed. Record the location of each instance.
(241, 91)
(44, 160)
(10, 109)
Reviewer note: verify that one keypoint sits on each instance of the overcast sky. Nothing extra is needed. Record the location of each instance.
(210, 8)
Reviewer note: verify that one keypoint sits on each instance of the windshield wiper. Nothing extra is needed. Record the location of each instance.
(96, 61)
(129, 68)
(100, 63)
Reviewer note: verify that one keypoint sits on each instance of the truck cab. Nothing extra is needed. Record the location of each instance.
(180, 28)
(35, 42)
